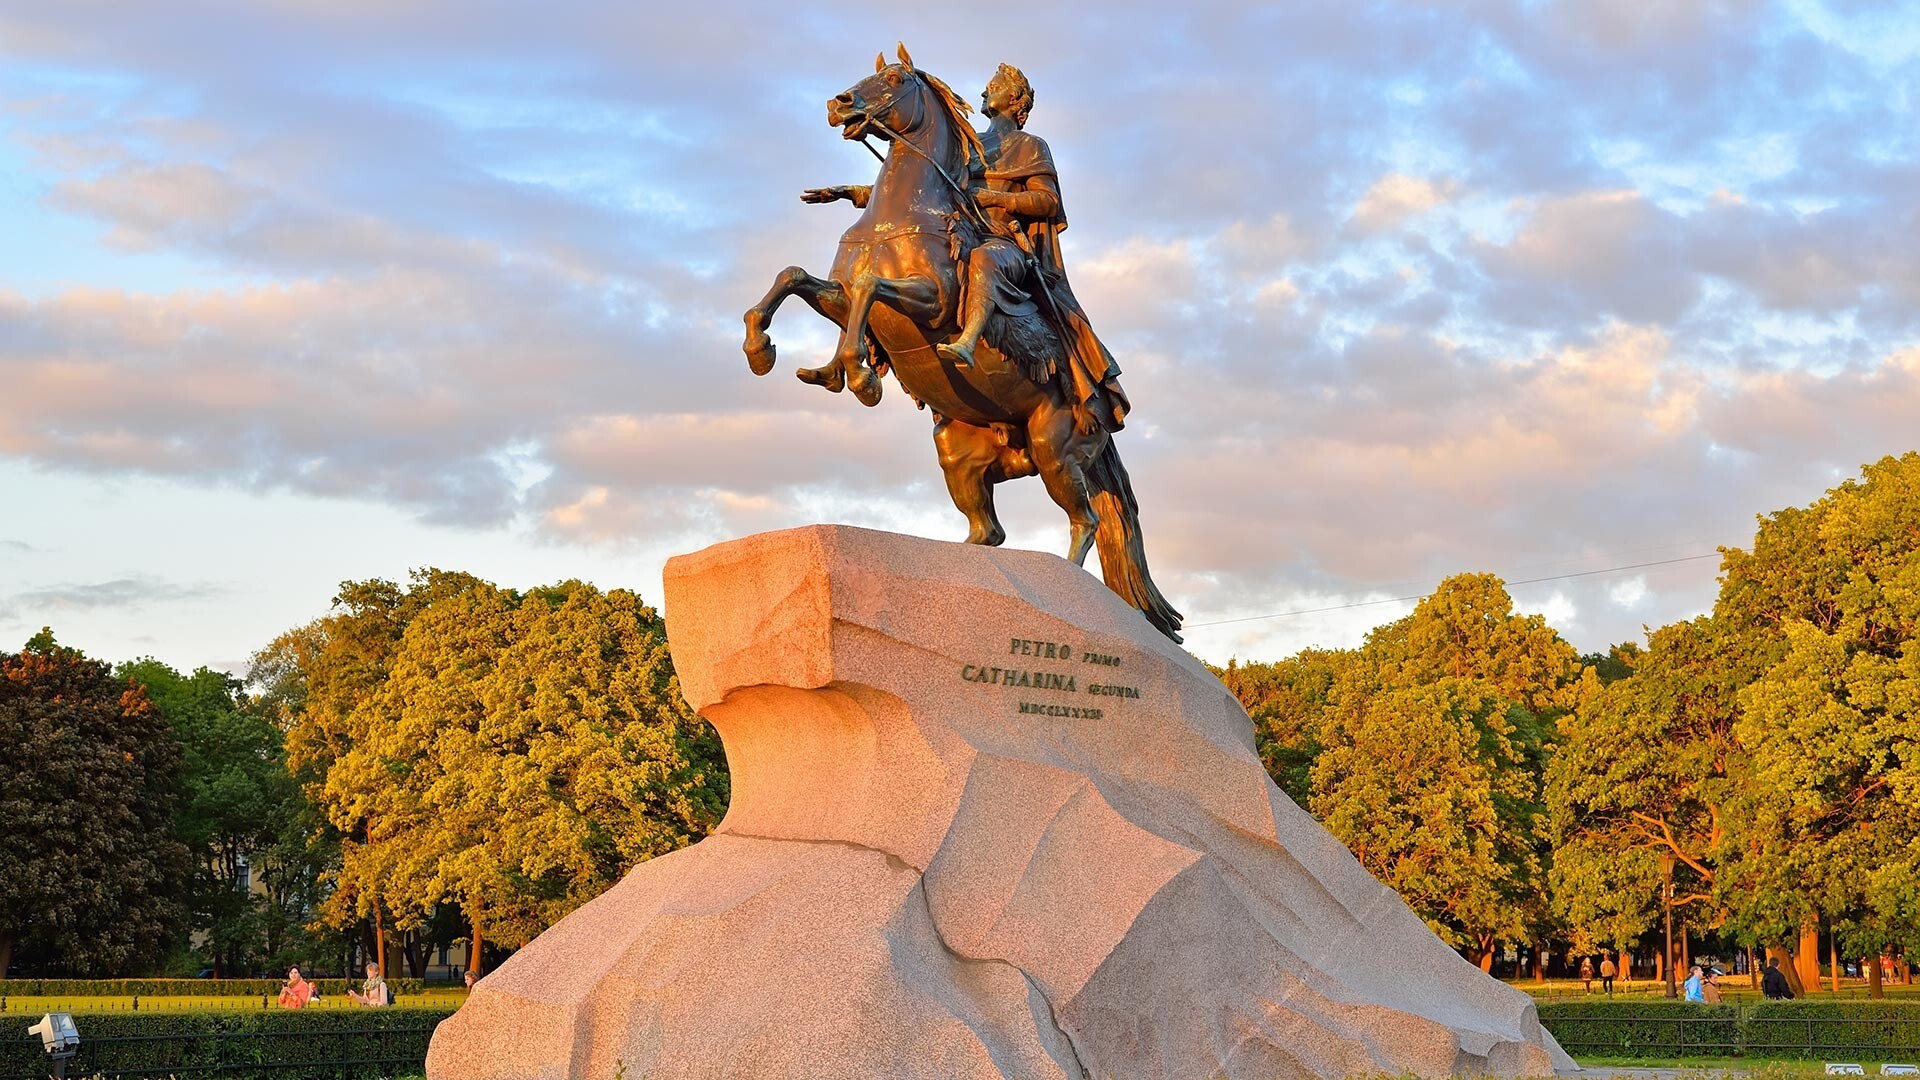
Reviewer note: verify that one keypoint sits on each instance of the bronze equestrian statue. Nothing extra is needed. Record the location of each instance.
(952, 279)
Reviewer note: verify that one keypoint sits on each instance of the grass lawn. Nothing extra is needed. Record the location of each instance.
(33, 1008)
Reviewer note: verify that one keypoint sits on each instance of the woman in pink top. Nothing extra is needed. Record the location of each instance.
(298, 993)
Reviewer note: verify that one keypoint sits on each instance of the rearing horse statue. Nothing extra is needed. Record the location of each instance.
(894, 290)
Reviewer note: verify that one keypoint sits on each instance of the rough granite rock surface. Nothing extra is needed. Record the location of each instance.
(916, 878)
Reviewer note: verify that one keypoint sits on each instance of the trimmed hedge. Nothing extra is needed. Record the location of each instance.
(1875, 1030)
(180, 987)
(1658, 1029)
(1817, 1030)
(277, 1045)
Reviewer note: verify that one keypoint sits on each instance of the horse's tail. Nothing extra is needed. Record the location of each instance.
(1123, 553)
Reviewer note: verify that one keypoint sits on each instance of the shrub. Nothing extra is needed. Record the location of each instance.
(1875, 1030)
(276, 1045)
(1643, 1028)
(1819, 1030)
(178, 987)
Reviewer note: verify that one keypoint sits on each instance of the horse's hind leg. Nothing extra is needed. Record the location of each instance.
(820, 294)
(1061, 454)
(971, 457)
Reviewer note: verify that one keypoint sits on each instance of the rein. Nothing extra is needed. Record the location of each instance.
(966, 201)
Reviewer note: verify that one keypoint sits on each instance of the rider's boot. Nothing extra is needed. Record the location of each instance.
(959, 351)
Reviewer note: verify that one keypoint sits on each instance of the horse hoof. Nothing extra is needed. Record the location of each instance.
(866, 387)
(760, 351)
(828, 376)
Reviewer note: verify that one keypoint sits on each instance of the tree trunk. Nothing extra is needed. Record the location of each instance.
(1623, 963)
(1875, 988)
(6, 954)
(415, 952)
(1790, 967)
(379, 940)
(1539, 963)
(1659, 963)
(475, 946)
(1753, 965)
(1906, 969)
(1833, 959)
(1807, 957)
(1686, 951)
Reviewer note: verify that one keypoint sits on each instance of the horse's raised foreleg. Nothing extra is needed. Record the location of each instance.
(1061, 454)
(820, 294)
(974, 459)
(917, 298)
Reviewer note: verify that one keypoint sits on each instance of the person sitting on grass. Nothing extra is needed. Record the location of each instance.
(298, 993)
(374, 992)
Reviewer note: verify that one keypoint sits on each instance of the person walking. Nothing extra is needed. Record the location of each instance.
(1694, 989)
(1774, 983)
(1711, 991)
(1586, 974)
(1607, 972)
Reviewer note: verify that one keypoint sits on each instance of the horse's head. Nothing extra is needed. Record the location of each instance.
(890, 99)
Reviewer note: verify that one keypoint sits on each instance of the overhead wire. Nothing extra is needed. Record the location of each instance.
(1423, 596)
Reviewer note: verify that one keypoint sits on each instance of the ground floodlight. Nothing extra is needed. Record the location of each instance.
(60, 1037)
(57, 1033)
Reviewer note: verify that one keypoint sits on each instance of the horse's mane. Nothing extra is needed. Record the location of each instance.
(957, 112)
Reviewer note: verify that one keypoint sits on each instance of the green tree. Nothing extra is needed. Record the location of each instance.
(1830, 824)
(1643, 767)
(89, 874)
(238, 810)
(1286, 700)
(313, 682)
(1434, 741)
(516, 756)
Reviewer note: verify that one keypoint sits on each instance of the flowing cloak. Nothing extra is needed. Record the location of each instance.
(1022, 165)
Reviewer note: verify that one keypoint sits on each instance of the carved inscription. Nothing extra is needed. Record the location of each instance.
(1026, 673)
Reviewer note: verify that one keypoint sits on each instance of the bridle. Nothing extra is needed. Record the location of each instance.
(872, 118)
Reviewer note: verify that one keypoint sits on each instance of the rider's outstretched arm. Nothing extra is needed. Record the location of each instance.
(858, 194)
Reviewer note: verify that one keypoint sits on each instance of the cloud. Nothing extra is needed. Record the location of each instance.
(1395, 198)
(119, 594)
(1595, 253)
(17, 547)
(1397, 292)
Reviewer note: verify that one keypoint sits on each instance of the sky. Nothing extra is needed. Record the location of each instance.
(294, 292)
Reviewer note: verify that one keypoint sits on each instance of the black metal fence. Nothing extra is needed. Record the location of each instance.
(350, 1053)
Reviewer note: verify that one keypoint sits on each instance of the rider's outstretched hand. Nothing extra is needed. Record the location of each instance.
(826, 194)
